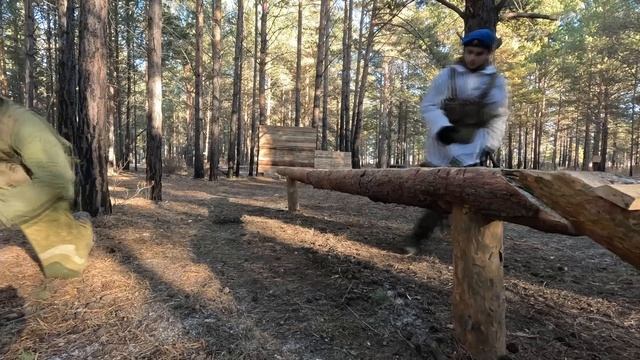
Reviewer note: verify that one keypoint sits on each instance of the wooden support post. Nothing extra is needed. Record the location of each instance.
(478, 285)
(292, 194)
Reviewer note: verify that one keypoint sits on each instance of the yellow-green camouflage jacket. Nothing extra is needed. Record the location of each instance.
(35, 167)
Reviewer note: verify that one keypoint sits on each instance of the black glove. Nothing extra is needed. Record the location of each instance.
(447, 135)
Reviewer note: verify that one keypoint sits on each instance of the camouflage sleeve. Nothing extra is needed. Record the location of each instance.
(44, 156)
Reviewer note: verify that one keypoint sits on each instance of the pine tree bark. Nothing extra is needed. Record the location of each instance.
(384, 118)
(345, 92)
(325, 83)
(117, 104)
(254, 92)
(4, 85)
(94, 187)
(30, 55)
(67, 79)
(355, 144)
(349, 127)
(129, 43)
(298, 87)
(235, 143)
(633, 120)
(198, 166)
(51, 113)
(263, 63)
(214, 144)
(316, 117)
(154, 100)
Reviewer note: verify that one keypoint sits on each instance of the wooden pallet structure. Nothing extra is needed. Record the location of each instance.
(602, 206)
(281, 146)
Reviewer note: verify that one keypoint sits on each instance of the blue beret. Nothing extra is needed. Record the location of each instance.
(483, 38)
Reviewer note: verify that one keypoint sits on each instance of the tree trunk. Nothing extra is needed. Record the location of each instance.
(30, 54)
(320, 58)
(67, 80)
(154, 100)
(325, 84)
(384, 117)
(117, 125)
(349, 127)
(129, 43)
(4, 85)
(262, 81)
(555, 136)
(480, 14)
(633, 119)
(94, 187)
(50, 69)
(605, 133)
(214, 144)
(254, 93)
(236, 110)
(299, 67)
(198, 166)
(345, 92)
(355, 143)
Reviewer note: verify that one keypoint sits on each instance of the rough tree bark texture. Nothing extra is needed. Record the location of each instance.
(357, 128)
(198, 166)
(214, 144)
(66, 71)
(298, 88)
(154, 100)
(94, 187)
(30, 55)
(553, 201)
(254, 94)
(236, 108)
(262, 81)
(345, 92)
(129, 43)
(478, 284)
(324, 7)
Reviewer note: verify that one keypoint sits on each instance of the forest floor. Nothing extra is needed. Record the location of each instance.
(221, 270)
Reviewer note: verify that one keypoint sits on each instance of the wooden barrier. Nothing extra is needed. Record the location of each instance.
(286, 146)
(597, 205)
(282, 146)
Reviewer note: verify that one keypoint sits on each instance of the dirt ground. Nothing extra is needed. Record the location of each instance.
(222, 271)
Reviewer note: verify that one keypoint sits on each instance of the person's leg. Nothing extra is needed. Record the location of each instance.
(61, 241)
(423, 230)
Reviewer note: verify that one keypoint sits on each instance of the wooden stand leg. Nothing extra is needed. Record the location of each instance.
(292, 194)
(478, 285)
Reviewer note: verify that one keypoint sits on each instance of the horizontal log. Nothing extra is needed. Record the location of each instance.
(556, 202)
(484, 190)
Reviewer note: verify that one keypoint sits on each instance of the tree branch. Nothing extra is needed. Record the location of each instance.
(527, 15)
(452, 7)
(501, 5)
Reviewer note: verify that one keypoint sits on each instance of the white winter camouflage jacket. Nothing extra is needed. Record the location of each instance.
(469, 85)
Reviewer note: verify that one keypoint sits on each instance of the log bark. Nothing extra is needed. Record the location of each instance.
(548, 201)
(478, 284)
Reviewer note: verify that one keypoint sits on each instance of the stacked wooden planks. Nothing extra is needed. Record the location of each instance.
(286, 146)
(332, 160)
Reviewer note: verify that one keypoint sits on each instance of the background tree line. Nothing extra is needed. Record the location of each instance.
(186, 83)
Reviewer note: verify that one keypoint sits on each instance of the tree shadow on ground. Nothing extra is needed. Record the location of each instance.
(12, 317)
